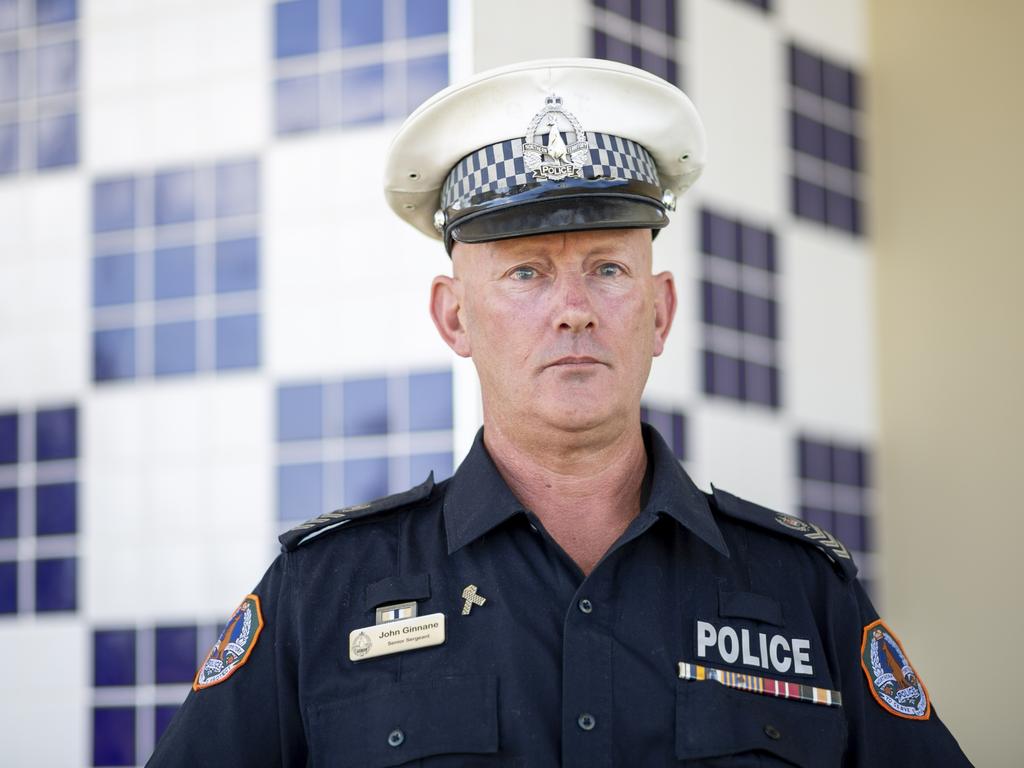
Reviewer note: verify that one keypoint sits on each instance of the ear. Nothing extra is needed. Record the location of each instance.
(664, 309)
(446, 312)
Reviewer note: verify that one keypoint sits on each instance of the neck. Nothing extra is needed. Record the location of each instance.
(585, 490)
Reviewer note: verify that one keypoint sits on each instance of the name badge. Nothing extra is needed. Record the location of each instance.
(396, 637)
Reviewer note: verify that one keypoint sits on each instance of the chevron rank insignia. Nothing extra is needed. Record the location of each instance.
(329, 521)
(788, 525)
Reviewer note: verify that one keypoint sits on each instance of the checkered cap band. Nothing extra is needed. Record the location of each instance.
(500, 167)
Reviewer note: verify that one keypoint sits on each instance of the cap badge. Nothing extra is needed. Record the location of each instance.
(548, 154)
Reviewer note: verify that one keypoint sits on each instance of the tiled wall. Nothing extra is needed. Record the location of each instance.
(211, 326)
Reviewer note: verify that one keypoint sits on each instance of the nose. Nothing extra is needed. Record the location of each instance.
(574, 310)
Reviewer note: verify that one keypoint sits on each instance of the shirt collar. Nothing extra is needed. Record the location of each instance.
(478, 500)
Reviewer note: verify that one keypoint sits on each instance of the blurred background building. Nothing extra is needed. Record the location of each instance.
(211, 327)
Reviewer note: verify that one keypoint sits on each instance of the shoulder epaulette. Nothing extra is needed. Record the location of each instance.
(787, 525)
(328, 521)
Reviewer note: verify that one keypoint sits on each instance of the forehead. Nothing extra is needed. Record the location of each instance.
(623, 243)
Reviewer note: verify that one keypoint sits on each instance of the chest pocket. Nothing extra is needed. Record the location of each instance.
(399, 722)
(719, 726)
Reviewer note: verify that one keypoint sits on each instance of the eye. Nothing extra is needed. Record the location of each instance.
(523, 273)
(609, 269)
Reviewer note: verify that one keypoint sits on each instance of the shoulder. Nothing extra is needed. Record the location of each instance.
(338, 519)
(787, 526)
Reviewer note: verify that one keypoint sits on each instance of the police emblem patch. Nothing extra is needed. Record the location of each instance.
(234, 645)
(892, 680)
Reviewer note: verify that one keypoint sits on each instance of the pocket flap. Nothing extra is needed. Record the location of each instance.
(715, 721)
(401, 721)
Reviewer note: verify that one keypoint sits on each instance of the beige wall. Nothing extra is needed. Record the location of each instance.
(946, 147)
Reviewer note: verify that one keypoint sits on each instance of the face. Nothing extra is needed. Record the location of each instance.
(561, 327)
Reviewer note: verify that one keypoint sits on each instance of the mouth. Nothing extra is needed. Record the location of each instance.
(573, 361)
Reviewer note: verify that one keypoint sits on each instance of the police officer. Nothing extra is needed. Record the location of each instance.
(569, 597)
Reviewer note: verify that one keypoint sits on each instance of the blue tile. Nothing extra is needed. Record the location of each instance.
(815, 460)
(238, 342)
(56, 584)
(8, 15)
(721, 305)
(113, 205)
(53, 11)
(847, 466)
(426, 17)
(423, 78)
(296, 27)
(56, 509)
(174, 348)
(808, 200)
(430, 401)
(362, 22)
(8, 148)
(8, 438)
(174, 195)
(296, 104)
(174, 272)
(8, 76)
(837, 84)
(238, 265)
(760, 384)
(851, 529)
(719, 236)
(57, 141)
(8, 513)
(365, 480)
(113, 736)
(362, 94)
(807, 135)
(722, 376)
(300, 412)
(365, 407)
(113, 279)
(56, 68)
(56, 433)
(760, 316)
(238, 188)
(162, 716)
(805, 70)
(175, 654)
(299, 491)
(422, 464)
(842, 211)
(113, 354)
(113, 657)
(8, 587)
(841, 148)
(757, 248)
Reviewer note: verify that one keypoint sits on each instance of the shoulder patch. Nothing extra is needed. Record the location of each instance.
(328, 521)
(787, 525)
(234, 645)
(891, 678)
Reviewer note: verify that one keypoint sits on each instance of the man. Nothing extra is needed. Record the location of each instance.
(569, 597)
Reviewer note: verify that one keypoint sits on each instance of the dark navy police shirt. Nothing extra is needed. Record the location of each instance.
(556, 668)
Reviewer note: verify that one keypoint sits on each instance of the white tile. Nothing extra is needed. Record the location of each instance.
(739, 83)
(827, 313)
(745, 450)
(836, 28)
(42, 710)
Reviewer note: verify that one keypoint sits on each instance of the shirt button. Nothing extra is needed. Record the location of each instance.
(586, 606)
(396, 737)
(772, 732)
(586, 721)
